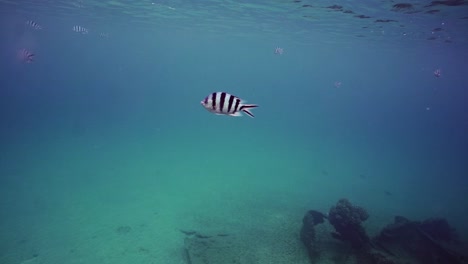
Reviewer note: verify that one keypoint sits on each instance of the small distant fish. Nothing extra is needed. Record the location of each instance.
(33, 24)
(104, 35)
(337, 84)
(437, 73)
(80, 29)
(79, 4)
(25, 55)
(222, 103)
(279, 51)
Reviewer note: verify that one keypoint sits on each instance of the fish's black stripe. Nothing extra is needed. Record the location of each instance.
(221, 102)
(231, 100)
(236, 108)
(213, 101)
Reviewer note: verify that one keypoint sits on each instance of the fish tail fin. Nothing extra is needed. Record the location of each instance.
(245, 109)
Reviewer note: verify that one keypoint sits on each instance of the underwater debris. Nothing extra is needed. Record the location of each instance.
(432, 241)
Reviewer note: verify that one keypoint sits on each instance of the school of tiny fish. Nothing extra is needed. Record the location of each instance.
(219, 103)
(27, 56)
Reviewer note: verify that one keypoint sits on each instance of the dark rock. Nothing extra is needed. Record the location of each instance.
(346, 219)
(310, 220)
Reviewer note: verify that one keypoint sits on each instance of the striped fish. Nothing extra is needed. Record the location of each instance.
(25, 55)
(33, 24)
(222, 103)
(80, 29)
(279, 51)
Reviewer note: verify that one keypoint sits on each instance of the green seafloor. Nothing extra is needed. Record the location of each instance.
(107, 156)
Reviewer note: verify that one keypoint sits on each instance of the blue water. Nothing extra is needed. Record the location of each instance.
(103, 133)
